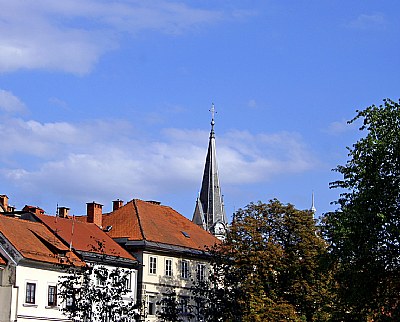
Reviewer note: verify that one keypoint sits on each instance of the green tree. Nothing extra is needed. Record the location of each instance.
(365, 232)
(269, 268)
(96, 293)
(174, 308)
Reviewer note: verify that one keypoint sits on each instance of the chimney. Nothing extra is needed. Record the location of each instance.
(4, 202)
(33, 209)
(94, 213)
(117, 204)
(63, 212)
(154, 202)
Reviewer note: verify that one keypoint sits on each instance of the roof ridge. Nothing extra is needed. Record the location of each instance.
(20, 219)
(138, 217)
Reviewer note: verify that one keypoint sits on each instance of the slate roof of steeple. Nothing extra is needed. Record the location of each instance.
(209, 205)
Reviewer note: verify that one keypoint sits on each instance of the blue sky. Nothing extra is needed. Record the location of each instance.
(110, 99)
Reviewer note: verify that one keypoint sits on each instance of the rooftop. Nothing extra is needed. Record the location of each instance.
(85, 237)
(35, 241)
(3, 261)
(140, 220)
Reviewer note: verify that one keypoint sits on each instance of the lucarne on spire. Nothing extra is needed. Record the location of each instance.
(209, 211)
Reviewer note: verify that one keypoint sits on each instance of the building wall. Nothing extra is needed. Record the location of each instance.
(42, 279)
(154, 285)
(131, 295)
(14, 302)
(7, 293)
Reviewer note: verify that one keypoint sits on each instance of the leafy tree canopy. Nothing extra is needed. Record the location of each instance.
(269, 268)
(365, 231)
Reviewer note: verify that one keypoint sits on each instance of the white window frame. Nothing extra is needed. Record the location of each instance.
(152, 265)
(128, 280)
(151, 304)
(168, 267)
(185, 269)
(184, 305)
(201, 272)
(104, 269)
(31, 297)
(55, 295)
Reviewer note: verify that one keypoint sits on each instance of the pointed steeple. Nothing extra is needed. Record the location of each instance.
(209, 212)
(313, 209)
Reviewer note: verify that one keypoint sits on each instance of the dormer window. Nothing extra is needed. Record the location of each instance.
(184, 233)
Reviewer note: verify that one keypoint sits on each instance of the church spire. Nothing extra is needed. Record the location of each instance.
(313, 209)
(209, 212)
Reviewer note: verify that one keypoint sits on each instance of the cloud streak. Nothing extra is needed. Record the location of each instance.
(72, 35)
(10, 103)
(369, 22)
(83, 161)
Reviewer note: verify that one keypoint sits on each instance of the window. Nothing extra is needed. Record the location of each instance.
(30, 293)
(70, 301)
(184, 305)
(151, 307)
(185, 269)
(128, 281)
(153, 265)
(101, 274)
(201, 272)
(168, 267)
(52, 295)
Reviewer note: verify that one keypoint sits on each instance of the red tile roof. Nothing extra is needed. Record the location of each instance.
(35, 241)
(3, 261)
(84, 236)
(142, 220)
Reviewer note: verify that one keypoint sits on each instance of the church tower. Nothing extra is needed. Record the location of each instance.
(209, 212)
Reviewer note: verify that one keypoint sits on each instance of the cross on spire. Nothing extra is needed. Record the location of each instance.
(212, 110)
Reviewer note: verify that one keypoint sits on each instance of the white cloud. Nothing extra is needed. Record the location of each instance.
(10, 103)
(340, 127)
(252, 103)
(72, 35)
(369, 21)
(250, 158)
(99, 159)
(58, 102)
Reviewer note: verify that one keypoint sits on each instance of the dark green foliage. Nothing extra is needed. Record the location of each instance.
(171, 308)
(269, 268)
(364, 232)
(97, 293)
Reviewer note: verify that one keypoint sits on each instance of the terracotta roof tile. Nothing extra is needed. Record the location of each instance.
(3, 261)
(35, 241)
(142, 220)
(84, 236)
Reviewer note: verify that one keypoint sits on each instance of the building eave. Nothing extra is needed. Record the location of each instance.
(107, 259)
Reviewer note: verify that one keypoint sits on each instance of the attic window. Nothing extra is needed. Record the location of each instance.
(185, 234)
